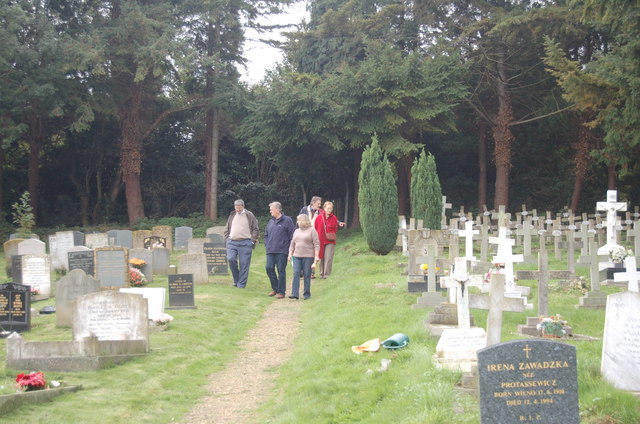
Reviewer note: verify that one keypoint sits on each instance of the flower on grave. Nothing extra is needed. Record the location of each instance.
(425, 267)
(163, 319)
(136, 278)
(495, 269)
(137, 263)
(618, 254)
(34, 291)
(552, 325)
(31, 381)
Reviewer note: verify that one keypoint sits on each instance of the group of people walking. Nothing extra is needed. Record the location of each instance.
(308, 244)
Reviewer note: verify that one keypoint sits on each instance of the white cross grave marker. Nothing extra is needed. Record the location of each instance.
(631, 275)
(468, 234)
(459, 283)
(506, 257)
(611, 206)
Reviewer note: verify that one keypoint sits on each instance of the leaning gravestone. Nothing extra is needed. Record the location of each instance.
(36, 273)
(75, 284)
(81, 257)
(112, 267)
(528, 381)
(15, 307)
(216, 258)
(111, 315)
(181, 291)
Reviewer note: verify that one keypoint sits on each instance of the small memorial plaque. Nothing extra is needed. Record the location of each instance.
(15, 307)
(216, 258)
(81, 260)
(181, 291)
(528, 381)
(154, 241)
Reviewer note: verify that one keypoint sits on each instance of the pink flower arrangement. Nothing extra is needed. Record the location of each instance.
(136, 278)
(32, 381)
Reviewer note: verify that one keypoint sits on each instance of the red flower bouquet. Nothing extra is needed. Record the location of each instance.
(32, 381)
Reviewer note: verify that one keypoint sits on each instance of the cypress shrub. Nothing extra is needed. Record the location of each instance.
(426, 193)
(378, 200)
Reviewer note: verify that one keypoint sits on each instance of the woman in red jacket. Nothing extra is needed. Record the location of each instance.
(326, 225)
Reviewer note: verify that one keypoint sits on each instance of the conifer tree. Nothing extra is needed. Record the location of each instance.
(426, 193)
(378, 198)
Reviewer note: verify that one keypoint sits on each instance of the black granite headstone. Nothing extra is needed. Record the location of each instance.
(181, 291)
(525, 381)
(15, 307)
(216, 258)
(154, 241)
(81, 260)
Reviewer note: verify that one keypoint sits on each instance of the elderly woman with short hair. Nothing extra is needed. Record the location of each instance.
(303, 251)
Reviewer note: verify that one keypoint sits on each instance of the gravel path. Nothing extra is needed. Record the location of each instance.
(247, 381)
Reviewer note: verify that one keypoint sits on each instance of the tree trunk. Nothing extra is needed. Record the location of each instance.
(1, 179)
(357, 158)
(35, 141)
(404, 185)
(611, 177)
(212, 129)
(482, 166)
(502, 135)
(131, 153)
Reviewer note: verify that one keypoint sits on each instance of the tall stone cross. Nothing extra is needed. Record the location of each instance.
(631, 275)
(526, 232)
(496, 303)
(459, 283)
(468, 234)
(445, 206)
(611, 206)
(505, 256)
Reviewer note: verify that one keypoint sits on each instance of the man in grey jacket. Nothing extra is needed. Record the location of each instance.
(241, 237)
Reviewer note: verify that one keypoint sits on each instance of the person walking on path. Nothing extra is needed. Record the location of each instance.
(277, 239)
(326, 226)
(303, 251)
(241, 236)
(313, 209)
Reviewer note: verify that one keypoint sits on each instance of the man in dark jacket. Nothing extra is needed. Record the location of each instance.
(277, 238)
(241, 237)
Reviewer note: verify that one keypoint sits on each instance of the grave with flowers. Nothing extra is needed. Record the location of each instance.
(33, 388)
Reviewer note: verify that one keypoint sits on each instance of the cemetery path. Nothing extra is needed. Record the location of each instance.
(247, 381)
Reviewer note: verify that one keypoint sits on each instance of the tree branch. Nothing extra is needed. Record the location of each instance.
(513, 124)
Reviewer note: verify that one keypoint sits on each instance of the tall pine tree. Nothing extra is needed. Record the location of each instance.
(426, 194)
(378, 198)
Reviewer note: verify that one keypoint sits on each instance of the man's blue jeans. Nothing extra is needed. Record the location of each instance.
(304, 265)
(239, 251)
(277, 261)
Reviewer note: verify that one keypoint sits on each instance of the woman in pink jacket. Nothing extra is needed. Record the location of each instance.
(326, 225)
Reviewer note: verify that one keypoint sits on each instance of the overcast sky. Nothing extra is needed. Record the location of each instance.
(261, 57)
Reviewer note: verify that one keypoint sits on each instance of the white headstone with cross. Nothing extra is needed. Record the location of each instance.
(506, 257)
(631, 275)
(611, 206)
(445, 206)
(458, 284)
(468, 234)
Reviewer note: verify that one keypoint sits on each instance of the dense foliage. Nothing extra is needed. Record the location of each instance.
(426, 193)
(378, 199)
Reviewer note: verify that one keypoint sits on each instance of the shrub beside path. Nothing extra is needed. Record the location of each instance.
(247, 381)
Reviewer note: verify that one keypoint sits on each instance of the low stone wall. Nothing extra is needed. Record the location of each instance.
(13, 401)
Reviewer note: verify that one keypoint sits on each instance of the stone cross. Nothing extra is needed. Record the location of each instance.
(445, 206)
(631, 275)
(402, 231)
(611, 206)
(594, 298)
(526, 232)
(635, 233)
(496, 303)
(506, 257)
(459, 283)
(468, 234)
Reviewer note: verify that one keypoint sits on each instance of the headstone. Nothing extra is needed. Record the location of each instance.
(182, 236)
(32, 247)
(594, 298)
(528, 381)
(112, 266)
(621, 342)
(445, 206)
(161, 259)
(219, 229)
(10, 250)
(138, 238)
(216, 238)
(16, 269)
(216, 258)
(81, 257)
(111, 315)
(506, 257)
(124, 238)
(457, 348)
(181, 294)
(95, 240)
(155, 299)
(196, 264)
(64, 240)
(164, 232)
(15, 307)
(196, 245)
(459, 283)
(468, 234)
(147, 256)
(76, 283)
(611, 206)
(36, 273)
(111, 236)
(631, 275)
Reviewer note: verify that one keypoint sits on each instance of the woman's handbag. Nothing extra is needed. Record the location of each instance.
(329, 236)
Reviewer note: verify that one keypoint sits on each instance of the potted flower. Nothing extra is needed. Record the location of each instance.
(163, 320)
(31, 381)
(552, 326)
(136, 278)
(618, 253)
(137, 263)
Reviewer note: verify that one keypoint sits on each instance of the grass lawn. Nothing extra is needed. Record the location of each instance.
(324, 382)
